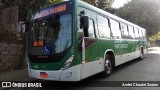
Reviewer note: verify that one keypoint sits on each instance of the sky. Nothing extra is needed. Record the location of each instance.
(119, 3)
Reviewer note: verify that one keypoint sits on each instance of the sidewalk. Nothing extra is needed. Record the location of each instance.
(17, 75)
(154, 50)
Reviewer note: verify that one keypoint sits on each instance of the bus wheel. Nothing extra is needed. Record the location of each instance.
(108, 66)
(141, 55)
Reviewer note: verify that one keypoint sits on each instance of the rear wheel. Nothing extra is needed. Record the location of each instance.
(142, 54)
(108, 66)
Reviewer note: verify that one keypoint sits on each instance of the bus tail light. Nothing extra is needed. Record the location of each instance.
(68, 63)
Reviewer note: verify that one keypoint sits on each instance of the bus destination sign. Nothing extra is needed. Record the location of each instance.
(51, 10)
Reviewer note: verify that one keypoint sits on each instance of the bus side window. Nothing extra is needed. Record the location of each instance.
(115, 28)
(91, 29)
(136, 33)
(140, 34)
(143, 34)
(124, 30)
(131, 32)
(103, 27)
(86, 33)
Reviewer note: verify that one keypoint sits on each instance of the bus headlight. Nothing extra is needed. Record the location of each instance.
(68, 63)
(29, 66)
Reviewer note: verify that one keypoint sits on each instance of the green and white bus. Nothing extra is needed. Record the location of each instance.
(73, 40)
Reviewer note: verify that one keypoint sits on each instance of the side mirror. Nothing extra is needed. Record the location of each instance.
(84, 22)
(24, 27)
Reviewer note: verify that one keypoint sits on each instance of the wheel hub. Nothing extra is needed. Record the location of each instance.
(108, 65)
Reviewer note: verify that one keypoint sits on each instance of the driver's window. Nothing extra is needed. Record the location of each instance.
(85, 33)
(91, 30)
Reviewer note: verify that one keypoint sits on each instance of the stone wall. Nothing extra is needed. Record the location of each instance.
(11, 50)
(11, 56)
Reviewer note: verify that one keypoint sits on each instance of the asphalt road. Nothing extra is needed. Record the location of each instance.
(147, 69)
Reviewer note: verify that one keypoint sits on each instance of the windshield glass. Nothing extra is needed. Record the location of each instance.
(54, 32)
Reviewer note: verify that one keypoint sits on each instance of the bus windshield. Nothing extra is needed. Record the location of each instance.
(55, 32)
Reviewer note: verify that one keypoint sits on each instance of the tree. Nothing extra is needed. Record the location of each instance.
(155, 37)
(145, 13)
(102, 4)
(9, 2)
(27, 7)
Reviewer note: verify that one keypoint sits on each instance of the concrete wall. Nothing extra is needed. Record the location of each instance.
(11, 56)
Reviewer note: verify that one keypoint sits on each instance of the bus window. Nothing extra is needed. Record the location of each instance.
(131, 32)
(144, 34)
(136, 33)
(91, 29)
(116, 33)
(103, 27)
(140, 34)
(124, 30)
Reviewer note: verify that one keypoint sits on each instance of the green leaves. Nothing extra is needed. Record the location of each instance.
(155, 37)
(102, 4)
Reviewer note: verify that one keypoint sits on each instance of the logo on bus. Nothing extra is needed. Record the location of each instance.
(46, 50)
(121, 45)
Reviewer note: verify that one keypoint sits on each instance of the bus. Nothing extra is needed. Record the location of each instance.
(73, 40)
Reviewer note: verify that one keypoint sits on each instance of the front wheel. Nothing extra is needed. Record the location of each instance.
(108, 66)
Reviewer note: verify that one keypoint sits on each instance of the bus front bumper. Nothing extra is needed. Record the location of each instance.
(71, 74)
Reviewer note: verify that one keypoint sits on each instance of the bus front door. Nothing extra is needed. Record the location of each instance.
(90, 57)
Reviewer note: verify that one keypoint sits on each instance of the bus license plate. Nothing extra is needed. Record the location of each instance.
(43, 75)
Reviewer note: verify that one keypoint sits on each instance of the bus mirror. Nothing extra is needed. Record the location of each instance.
(84, 22)
(24, 27)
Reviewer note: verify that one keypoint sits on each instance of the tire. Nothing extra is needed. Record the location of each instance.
(108, 67)
(141, 55)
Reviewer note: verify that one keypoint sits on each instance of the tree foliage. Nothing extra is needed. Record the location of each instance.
(27, 7)
(155, 37)
(145, 13)
(31, 6)
(8, 3)
(102, 4)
